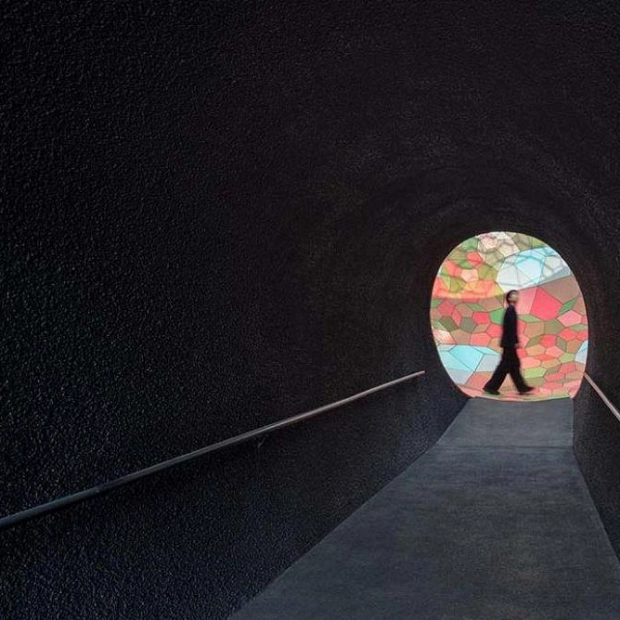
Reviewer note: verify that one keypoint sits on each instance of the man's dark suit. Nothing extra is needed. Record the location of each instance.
(510, 337)
(510, 363)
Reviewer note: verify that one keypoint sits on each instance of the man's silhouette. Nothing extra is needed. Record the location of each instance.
(510, 363)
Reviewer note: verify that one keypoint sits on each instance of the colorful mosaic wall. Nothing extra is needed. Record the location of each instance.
(467, 309)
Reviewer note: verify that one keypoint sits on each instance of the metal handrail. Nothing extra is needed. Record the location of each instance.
(604, 398)
(74, 498)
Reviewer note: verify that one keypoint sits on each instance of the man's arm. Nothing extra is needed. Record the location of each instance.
(510, 337)
(516, 330)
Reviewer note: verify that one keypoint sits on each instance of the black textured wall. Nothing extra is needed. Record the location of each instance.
(217, 215)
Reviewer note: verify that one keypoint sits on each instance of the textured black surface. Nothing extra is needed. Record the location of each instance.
(500, 528)
(221, 214)
(597, 446)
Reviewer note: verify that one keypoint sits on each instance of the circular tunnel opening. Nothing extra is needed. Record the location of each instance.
(468, 306)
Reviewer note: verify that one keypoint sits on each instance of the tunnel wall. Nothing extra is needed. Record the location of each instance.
(597, 447)
(171, 280)
(223, 214)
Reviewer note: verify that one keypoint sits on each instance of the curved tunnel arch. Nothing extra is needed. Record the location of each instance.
(438, 207)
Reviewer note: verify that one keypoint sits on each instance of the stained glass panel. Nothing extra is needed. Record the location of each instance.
(467, 309)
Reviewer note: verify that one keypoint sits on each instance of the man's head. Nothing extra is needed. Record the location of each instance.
(512, 297)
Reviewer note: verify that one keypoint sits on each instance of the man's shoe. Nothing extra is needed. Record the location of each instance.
(490, 391)
(527, 390)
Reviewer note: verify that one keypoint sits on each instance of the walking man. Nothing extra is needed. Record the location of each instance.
(510, 363)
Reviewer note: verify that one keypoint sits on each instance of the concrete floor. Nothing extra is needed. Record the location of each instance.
(495, 521)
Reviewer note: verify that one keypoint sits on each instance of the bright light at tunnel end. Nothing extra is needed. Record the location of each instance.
(467, 307)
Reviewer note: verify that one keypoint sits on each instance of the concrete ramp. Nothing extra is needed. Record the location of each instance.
(495, 521)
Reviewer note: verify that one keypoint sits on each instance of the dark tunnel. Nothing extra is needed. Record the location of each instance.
(218, 215)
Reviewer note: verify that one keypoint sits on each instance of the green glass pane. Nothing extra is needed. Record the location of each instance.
(448, 323)
(537, 243)
(487, 272)
(553, 326)
(535, 372)
(568, 305)
(497, 316)
(470, 244)
(529, 318)
(468, 325)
